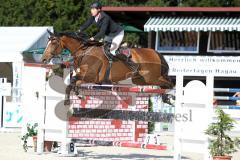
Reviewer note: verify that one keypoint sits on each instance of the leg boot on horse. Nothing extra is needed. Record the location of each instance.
(67, 94)
(70, 87)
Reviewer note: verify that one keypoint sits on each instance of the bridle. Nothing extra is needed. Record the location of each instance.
(79, 57)
(59, 43)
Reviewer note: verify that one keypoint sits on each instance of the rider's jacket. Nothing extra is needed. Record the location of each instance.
(105, 24)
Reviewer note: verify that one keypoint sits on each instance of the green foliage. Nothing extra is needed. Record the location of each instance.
(68, 15)
(113, 3)
(31, 131)
(58, 70)
(156, 3)
(222, 144)
(236, 3)
(132, 39)
(210, 3)
(151, 125)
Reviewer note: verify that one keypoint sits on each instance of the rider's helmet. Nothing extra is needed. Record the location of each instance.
(96, 5)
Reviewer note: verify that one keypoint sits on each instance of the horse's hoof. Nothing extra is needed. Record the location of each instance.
(67, 102)
(70, 111)
(81, 97)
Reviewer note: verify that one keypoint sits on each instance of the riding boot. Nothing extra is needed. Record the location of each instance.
(132, 65)
(107, 46)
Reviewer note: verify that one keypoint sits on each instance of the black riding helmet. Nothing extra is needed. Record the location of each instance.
(96, 5)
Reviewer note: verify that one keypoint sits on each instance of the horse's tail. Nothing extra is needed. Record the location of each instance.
(164, 65)
(165, 69)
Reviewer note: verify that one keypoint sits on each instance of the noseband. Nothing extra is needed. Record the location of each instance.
(53, 53)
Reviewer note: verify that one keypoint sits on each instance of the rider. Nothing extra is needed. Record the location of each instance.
(109, 30)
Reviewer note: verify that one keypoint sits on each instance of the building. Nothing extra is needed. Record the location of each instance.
(14, 41)
(196, 41)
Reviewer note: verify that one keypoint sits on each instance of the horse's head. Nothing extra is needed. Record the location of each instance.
(59, 41)
(54, 47)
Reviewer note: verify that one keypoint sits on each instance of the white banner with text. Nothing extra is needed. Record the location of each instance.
(218, 66)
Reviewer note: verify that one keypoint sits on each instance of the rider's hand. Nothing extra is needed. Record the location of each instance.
(91, 39)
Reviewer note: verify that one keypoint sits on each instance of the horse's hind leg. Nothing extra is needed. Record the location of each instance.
(165, 82)
(164, 77)
(138, 80)
(157, 79)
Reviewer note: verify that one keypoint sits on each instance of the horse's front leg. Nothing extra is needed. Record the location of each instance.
(78, 84)
(67, 95)
(68, 90)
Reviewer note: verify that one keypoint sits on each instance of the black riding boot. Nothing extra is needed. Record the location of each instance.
(107, 46)
(132, 65)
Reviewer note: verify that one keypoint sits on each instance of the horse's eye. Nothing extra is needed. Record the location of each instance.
(54, 40)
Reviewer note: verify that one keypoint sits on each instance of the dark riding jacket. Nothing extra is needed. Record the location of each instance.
(105, 24)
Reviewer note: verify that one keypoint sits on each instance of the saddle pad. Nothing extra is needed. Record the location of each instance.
(125, 51)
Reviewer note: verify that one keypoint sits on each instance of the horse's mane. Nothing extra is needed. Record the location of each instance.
(78, 36)
(81, 37)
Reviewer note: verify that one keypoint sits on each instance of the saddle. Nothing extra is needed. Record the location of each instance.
(121, 52)
(125, 51)
(94, 43)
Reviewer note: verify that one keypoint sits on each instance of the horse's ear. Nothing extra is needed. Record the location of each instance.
(57, 34)
(50, 33)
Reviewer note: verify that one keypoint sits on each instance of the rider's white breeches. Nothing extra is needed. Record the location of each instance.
(116, 41)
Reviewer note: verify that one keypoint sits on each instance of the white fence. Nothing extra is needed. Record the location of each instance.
(195, 100)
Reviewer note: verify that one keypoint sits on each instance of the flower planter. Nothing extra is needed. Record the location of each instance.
(48, 146)
(222, 157)
(219, 138)
(34, 143)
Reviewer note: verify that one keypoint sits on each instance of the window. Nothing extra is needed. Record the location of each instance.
(178, 42)
(224, 42)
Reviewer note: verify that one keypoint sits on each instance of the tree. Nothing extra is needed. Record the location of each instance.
(221, 144)
(210, 3)
(156, 3)
(68, 15)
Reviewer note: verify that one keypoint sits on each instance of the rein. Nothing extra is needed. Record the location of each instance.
(80, 57)
(58, 44)
(76, 50)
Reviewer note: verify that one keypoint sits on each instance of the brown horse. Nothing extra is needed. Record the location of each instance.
(91, 64)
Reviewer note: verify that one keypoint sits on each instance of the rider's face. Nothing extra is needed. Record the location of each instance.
(94, 11)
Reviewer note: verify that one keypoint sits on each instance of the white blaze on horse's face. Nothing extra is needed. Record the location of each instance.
(53, 48)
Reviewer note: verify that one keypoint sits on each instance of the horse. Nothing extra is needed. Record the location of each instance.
(91, 64)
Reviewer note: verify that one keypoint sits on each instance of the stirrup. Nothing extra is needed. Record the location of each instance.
(117, 52)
